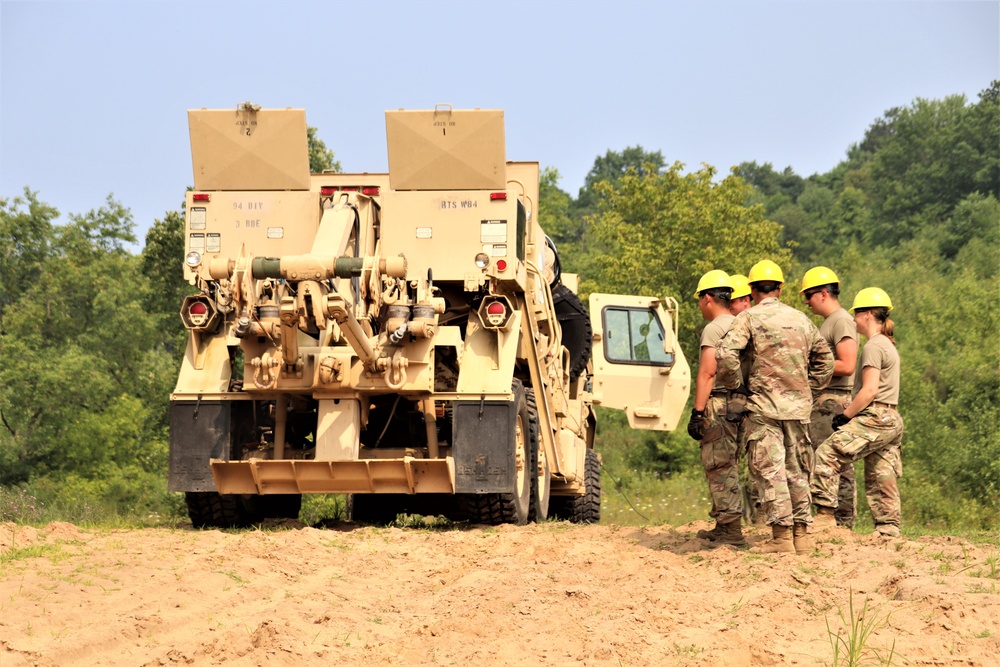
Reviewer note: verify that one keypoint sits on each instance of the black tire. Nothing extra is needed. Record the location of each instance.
(498, 508)
(542, 491)
(577, 334)
(585, 508)
(375, 509)
(214, 510)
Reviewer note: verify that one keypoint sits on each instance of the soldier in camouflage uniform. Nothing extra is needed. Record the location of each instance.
(708, 422)
(870, 427)
(789, 359)
(821, 289)
(737, 409)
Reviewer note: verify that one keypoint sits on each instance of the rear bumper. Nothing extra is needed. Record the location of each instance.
(403, 475)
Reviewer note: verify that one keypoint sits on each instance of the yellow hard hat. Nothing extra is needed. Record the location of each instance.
(714, 279)
(741, 286)
(766, 271)
(816, 276)
(872, 297)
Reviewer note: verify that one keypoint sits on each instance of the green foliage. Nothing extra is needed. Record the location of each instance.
(25, 238)
(609, 168)
(321, 158)
(661, 231)
(84, 378)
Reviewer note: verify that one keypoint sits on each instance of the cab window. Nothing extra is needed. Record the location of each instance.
(634, 336)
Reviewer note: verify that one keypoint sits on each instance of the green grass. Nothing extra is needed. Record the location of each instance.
(850, 644)
(50, 551)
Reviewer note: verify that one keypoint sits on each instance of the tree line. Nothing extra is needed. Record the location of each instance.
(90, 339)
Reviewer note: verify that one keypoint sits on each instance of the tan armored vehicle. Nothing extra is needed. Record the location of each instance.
(405, 338)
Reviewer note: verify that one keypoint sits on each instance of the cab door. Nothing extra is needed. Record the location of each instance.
(638, 363)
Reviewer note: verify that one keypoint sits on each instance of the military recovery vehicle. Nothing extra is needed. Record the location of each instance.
(405, 338)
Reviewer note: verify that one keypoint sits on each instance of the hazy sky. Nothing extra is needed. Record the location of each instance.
(93, 95)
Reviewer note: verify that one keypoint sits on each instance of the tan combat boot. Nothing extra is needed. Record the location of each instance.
(824, 519)
(804, 543)
(780, 542)
(733, 535)
(714, 534)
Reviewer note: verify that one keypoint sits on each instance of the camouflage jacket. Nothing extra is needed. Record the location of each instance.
(788, 359)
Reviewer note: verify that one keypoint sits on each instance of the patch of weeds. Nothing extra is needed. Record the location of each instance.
(235, 577)
(736, 606)
(817, 609)
(17, 504)
(901, 564)
(839, 541)
(377, 620)
(989, 569)
(689, 651)
(50, 551)
(980, 587)
(850, 644)
(944, 568)
(983, 634)
(696, 558)
(337, 544)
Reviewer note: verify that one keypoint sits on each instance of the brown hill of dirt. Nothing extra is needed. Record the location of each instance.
(549, 594)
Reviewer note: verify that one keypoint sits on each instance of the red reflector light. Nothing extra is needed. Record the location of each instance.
(327, 190)
(198, 308)
(371, 191)
(352, 188)
(501, 264)
(495, 308)
(201, 196)
(498, 196)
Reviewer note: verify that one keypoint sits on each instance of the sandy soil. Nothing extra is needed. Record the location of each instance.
(554, 594)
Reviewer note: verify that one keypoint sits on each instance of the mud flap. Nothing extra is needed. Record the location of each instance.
(483, 446)
(199, 431)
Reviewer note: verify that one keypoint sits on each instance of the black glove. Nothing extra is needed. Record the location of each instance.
(840, 420)
(696, 427)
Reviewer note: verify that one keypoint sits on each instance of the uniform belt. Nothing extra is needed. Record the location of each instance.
(838, 390)
(720, 392)
(879, 404)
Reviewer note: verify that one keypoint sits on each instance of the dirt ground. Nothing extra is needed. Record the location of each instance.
(549, 594)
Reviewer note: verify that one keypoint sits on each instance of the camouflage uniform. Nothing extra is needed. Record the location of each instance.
(831, 401)
(874, 434)
(718, 446)
(788, 359)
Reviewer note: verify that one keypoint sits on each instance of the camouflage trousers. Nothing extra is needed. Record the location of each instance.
(719, 458)
(780, 457)
(826, 404)
(875, 435)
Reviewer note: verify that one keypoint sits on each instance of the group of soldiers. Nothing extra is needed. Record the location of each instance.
(799, 403)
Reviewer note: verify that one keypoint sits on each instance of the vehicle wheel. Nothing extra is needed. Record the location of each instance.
(498, 508)
(585, 508)
(372, 508)
(542, 490)
(577, 334)
(210, 509)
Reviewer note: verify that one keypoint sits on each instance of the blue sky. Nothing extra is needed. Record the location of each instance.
(93, 95)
